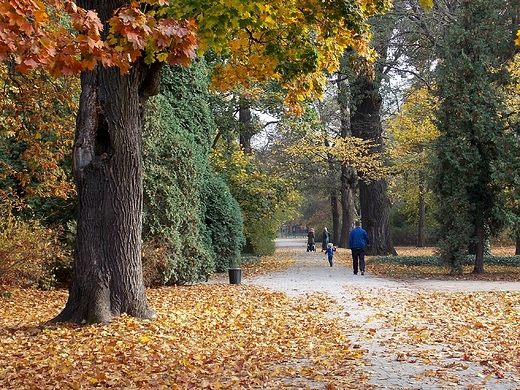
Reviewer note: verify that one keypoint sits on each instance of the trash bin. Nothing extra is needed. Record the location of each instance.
(235, 275)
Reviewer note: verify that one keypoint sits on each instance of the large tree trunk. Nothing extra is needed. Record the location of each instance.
(348, 194)
(349, 180)
(375, 205)
(335, 218)
(375, 211)
(479, 256)
(107, 279)
(421, 228)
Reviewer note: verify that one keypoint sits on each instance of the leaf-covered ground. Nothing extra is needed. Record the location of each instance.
(222, 336)
(441, 334)
(208, 336)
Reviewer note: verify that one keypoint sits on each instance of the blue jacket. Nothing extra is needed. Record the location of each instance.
(358, 238)
(330, 251)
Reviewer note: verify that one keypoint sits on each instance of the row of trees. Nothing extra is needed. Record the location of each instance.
(191, 208)
(457, 137)
(120, 49)
(449, 152)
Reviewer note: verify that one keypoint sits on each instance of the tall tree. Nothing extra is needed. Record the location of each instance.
(107, 278)
(471, 148)
(366, 124)
(349, 178)
(413, 132)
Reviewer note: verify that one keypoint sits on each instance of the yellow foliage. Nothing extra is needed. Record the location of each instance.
(412, 131)
(351, 151)
(513, 89)
(413, 126)
(293, 41)
(28, 253)
(427, 4)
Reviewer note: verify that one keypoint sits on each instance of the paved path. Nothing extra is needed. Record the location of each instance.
(311, 273)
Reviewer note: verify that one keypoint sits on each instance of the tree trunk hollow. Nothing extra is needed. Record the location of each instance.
(107, 279)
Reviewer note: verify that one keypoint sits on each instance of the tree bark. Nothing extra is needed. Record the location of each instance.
(375, 205)
(107, 278)
(247, 129)
(349, 180)
(421, 229)
(335, 218)
(375, 211)
(479, 256)
(348, 194)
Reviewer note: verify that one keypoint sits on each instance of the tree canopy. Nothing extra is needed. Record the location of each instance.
(292, 42)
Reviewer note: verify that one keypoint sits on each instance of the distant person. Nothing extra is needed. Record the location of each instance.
(325, 239)
(311, 244)
(358, 239)
(330, 253)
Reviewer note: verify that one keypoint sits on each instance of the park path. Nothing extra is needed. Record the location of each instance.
(312, 274)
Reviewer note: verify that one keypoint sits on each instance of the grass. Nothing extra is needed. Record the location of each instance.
(403, 271)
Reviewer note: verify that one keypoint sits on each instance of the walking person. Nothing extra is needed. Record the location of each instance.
(330, 253)
(325, 240)
(311, 246)
(357, 241)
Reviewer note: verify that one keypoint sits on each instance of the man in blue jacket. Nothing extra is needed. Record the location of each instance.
(357, 241)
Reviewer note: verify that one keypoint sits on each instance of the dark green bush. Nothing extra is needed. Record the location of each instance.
(176, 142)
(512, 261)
(191, 223)
(224, 223)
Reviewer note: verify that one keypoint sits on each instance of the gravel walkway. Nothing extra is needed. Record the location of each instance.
(311, 273)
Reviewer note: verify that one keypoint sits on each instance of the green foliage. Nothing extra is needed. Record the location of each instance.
(175, 147)
(260, 237)
(467, 260)
(266, 200)
(224, 223)
(470, 159)
(403, 232)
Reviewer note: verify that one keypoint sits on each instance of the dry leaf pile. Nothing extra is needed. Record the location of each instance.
(209, 336)
(281, 260)
(222, 336)
(448, 331)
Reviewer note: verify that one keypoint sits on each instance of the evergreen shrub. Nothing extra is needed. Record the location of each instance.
(467, 260)
(224, 223)
(192, 226)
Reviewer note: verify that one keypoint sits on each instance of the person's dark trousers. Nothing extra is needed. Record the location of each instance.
(358, 258)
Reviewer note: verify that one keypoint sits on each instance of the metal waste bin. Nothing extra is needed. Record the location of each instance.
(235, 275)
